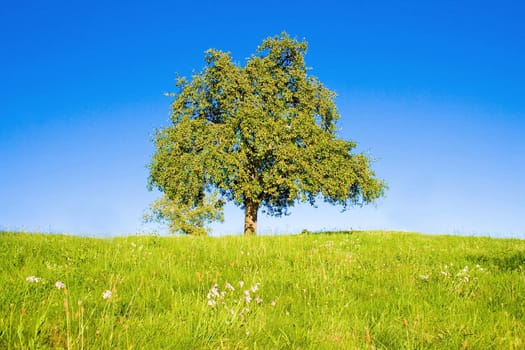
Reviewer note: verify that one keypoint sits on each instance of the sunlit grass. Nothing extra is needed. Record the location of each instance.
(357, 290)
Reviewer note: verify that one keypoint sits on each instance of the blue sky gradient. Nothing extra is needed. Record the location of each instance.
(434, 91)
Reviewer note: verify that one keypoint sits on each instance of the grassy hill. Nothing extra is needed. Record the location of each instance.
(348, 290)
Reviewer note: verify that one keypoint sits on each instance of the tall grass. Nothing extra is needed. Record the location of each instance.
(358, 290)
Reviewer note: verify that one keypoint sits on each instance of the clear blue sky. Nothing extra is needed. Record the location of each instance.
(433, 90)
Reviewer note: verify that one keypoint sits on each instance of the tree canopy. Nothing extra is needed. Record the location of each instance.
(262, 135)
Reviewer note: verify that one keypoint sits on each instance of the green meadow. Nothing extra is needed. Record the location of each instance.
(345, 290)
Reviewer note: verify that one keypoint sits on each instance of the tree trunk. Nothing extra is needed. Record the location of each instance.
(250, 218)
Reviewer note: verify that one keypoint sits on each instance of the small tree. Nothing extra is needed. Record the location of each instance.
(262, 136)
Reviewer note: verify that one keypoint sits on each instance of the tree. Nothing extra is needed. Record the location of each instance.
(262, 136)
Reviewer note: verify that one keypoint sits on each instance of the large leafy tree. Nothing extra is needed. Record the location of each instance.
(262, 136)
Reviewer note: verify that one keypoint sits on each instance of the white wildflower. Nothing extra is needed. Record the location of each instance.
(214, 292)
(212, 302)
(255, 288)
(463, 272)
(33, 279)
(241, 284)
(273, 303)
(247, 296)
(229, 287)
(60, 285)
(258, 300)
(107, 294)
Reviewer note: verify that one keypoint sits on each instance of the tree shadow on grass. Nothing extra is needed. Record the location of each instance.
(307, 232)
(510, 261)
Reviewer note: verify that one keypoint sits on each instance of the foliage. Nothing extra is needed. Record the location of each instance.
(358, 290)
(262, 135)
(184, 219)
